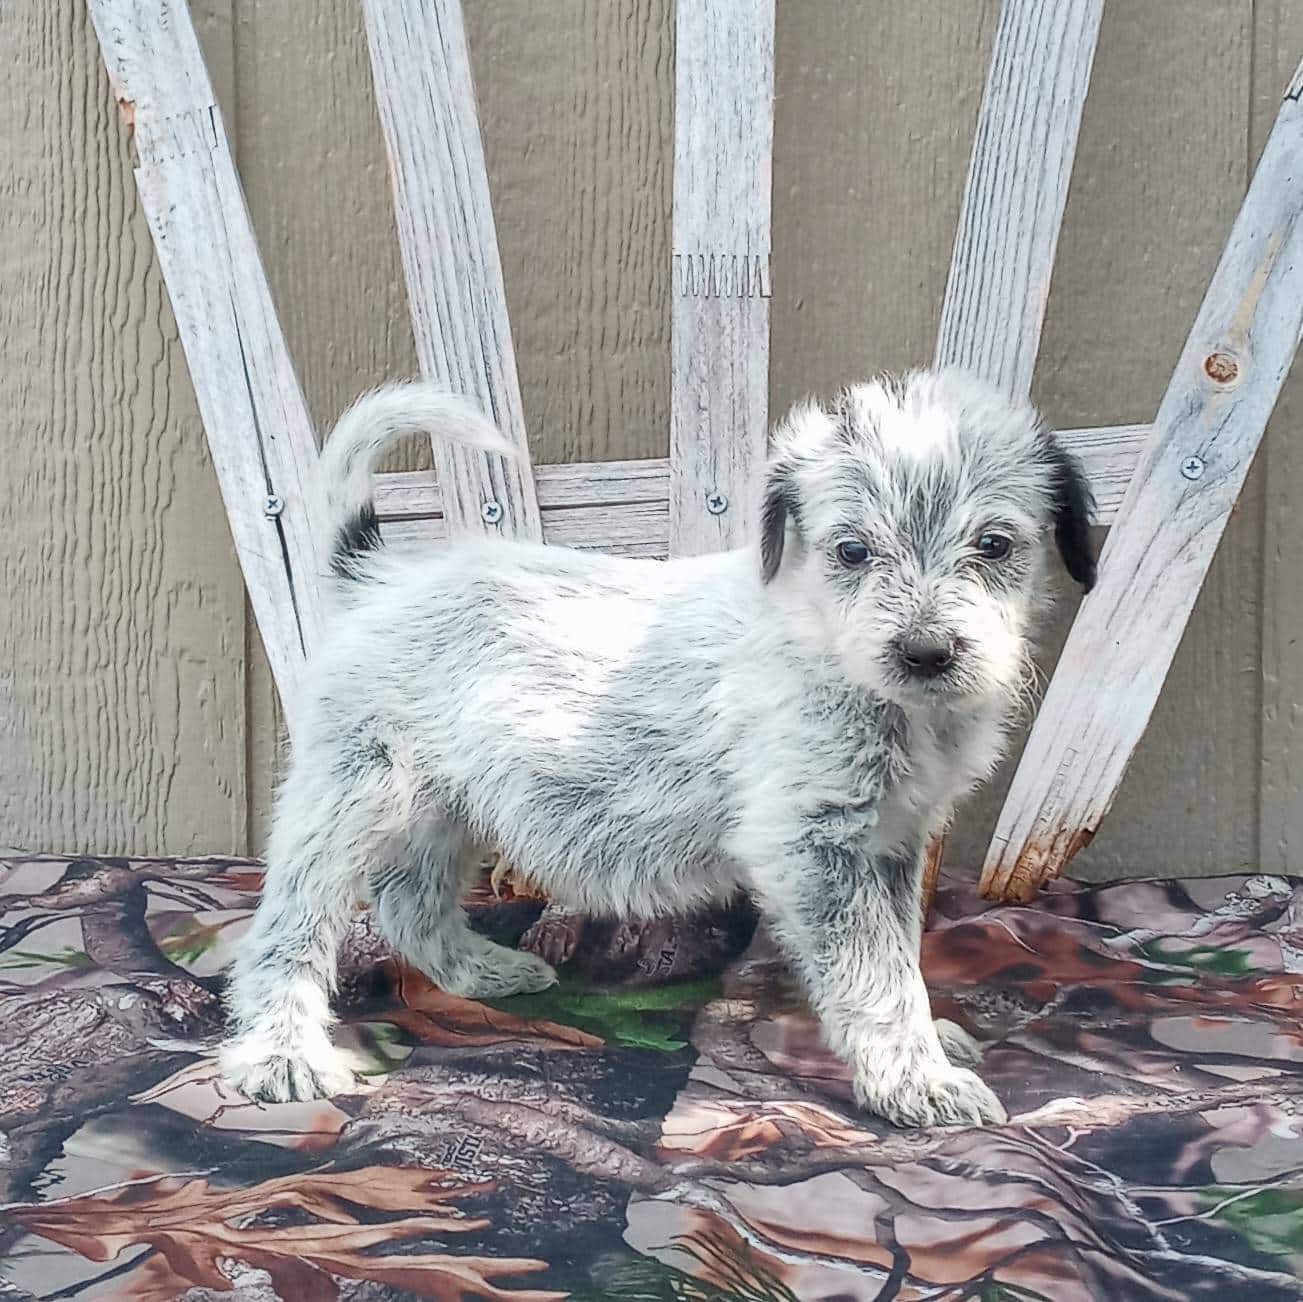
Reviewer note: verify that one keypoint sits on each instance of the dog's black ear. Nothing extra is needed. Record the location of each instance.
(1073, 505)
(779, 503)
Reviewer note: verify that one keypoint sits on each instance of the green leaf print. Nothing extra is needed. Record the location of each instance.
(655, 1018)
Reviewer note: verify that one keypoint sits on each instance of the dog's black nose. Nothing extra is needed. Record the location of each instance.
(926, 657)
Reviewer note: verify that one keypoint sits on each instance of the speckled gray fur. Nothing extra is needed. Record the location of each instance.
(641, 737)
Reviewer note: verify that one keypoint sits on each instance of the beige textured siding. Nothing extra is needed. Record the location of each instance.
(138, 708)
(122, 674)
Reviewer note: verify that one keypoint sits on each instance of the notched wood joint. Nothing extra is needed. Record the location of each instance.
(722, 275)
(164, 139)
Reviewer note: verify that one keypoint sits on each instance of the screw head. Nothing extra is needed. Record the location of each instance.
(1193, 467)
(716, 503)
(491, 512)
(272, 505)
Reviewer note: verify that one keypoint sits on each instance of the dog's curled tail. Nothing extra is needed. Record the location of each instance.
(346, 514)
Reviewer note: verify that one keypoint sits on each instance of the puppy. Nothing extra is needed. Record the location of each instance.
(641, 738)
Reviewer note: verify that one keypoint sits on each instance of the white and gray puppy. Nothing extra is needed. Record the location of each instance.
(641, 737)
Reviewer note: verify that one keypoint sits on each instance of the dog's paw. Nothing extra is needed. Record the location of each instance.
(945, 1096)
(960, 1048)
(555, 936)
(495, 972)
(523, 974)
(278, 1073)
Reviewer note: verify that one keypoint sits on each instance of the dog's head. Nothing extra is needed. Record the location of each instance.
(908, 518)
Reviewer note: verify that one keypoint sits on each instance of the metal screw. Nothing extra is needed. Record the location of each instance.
(272, 505)
(1193, 467)
(716, 503)
(491, 512)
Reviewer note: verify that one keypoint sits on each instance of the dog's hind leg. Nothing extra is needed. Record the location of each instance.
(417, 902)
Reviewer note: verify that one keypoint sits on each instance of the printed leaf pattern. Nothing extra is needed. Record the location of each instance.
(196, 1227)
(620, 1138)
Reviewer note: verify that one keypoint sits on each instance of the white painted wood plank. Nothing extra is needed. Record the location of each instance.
(413, 494)
(1017, 187)
(450, 251)
(620, 507)
(1109, 455)
(633, 529)
(1193, 466)
(1012, 209)
(256, 421)
(719, 377)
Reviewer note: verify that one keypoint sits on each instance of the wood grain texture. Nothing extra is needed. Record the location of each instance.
(1190, 474)
(613, 494)
(1108, 455)
(1159, 177)
(872, 141)
(258, 429)
(415, 494)
(576, 102)
(1014, 198)
(121, 621)
(719, 368)
(455, 289)
(311, 155)
(1278, 37)
(874, 120)
(576, 110)
(312, 158)
(638, 530)
(614, 506)
(1017, 189)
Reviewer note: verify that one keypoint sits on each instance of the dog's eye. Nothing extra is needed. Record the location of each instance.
(992, 546)
(852, 553)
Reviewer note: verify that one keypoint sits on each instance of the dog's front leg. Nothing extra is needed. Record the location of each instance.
(850, 921)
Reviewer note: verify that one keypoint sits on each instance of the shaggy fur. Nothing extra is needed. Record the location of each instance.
(639, 738)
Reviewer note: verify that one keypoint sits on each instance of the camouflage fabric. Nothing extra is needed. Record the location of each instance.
(635, 1140)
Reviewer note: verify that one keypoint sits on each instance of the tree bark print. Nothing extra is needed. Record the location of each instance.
(666, 1123)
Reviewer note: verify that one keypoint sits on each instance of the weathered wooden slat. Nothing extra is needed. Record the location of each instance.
(719, 377)
(257, 424)
(415, 494)
(621, 507)
(1108, 455)
(625, 504)
(450, 251)
(1017, 187)
(640, 529)
(1012, 210)
(1190, 474)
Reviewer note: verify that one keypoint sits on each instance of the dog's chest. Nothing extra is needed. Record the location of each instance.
(930, 763)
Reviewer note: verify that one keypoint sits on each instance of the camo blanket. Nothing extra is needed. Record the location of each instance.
(643, 1140)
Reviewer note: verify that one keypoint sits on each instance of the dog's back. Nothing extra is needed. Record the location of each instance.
(551, 700)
